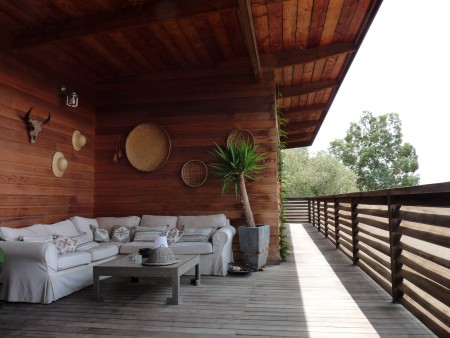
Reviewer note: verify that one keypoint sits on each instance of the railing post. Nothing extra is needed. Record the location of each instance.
(313, 213)
(325, 217)
(355, 230)
(336, 222)
(309, 211)
(394, 240)
(318, 215)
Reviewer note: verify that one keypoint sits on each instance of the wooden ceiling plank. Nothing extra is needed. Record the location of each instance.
(194, 38)
(289, 23)
(304, 15)
(231, 22)
(221, 35)
(275, 20)
(305, 110)
(319, 66)
(292, 127)
(261, 27)
(307, 88)
(122, 18)
(301, 56)
(317, 22)
(173, 30)
(347, 13)
(205, 31)
(331, 21)
(246, 19)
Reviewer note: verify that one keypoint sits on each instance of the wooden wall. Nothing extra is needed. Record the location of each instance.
(196, 108)
(29, 192)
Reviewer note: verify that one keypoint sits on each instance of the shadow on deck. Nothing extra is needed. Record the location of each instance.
(317, 293)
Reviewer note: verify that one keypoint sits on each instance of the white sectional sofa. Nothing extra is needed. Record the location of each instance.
(36, 271)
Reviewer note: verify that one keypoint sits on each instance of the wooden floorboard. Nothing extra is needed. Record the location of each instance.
(317, 293)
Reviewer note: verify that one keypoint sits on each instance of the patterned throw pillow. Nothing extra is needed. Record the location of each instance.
(48, 238)
(196, 235)
(64, 244)
(100, 235)
(173, 235)
(121, 234)
(83, 242)
(145, 234)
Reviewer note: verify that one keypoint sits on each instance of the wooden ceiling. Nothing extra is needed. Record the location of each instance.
(312, 42)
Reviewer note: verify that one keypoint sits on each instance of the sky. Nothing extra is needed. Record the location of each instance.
(403, 67)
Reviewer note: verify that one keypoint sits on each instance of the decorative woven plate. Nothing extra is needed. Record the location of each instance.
(148, 147)
(240, 135)
(194, 173)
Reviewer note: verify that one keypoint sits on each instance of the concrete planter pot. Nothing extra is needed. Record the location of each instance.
(254, 244)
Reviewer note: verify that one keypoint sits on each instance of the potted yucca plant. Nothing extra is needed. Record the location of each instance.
(236, 163)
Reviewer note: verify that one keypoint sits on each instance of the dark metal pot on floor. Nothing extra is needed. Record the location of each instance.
(254, 244)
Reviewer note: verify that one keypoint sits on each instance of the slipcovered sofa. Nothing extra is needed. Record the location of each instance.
(42, 265)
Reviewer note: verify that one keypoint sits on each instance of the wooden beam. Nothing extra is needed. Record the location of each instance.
(307, 88)
(297, 144)
(300, 125)
(122, 18)
(299, 136)
(304, 110)
(299, 56)
(246, 21)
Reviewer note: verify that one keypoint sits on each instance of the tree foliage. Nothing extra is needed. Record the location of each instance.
(373, 149)
(323, 174)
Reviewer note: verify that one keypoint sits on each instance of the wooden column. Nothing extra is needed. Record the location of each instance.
(336, 222)
(355, 245)
(395, 250)
(309, 211)
(318, 216)
(325, 214)
(313, 213)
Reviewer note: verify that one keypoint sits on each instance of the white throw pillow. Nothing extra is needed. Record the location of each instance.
(201, 222)
(63, 228)
(109, 222)
(83, 241)
(13, 234)
(146, 234)
(83, 225)
(158, 221)
(196, 235)
(48, 238)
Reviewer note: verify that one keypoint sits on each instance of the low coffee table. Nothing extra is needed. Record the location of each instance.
(126, 267)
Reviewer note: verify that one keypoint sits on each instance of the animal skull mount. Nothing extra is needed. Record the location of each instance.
(34, 126)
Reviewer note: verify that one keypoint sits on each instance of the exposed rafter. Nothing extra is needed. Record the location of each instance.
(292, 127)
(246, 20)
(307, 88)
(299, 56)
(123, 18)
(305, 110)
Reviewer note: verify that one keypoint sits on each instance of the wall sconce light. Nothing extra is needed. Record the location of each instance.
(71, 96)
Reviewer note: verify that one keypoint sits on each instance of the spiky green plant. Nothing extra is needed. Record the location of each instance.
(235, 164)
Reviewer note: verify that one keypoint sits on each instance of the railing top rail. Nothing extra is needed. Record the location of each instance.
(437, 188)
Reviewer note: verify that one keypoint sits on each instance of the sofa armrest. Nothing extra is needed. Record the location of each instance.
(26, 270)
(222, 242)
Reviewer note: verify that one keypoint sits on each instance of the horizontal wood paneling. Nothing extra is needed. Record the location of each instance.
(29, 192)
(196, 109)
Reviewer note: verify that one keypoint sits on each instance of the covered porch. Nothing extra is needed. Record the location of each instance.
(317, 293)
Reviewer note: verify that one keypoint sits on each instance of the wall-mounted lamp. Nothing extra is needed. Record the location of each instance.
(71, 96)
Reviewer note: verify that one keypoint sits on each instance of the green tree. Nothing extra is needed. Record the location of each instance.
(373, 149)
(323, 174)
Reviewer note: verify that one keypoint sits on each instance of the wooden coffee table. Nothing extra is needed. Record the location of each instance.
(124, 266)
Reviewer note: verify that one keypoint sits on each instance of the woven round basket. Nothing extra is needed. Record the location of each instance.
(148, 147)
(161, 256)
(194, 173)
(240, 135)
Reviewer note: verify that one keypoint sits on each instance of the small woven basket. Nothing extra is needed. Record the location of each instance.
(161, 256)
(240, 135)
(194, 173)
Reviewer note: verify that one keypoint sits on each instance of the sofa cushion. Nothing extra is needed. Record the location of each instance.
(173, 235)
(48, 238)
(83, 242)
(204, 221)
(121, 233)
(64, 244)
(13, 234)
(158, 221)
(83, 225)
(196, 235)
(191, 248)
(104, 250)
(73, 259)
(109, 222)
(147, 234)
(63, 228)
(100, 235)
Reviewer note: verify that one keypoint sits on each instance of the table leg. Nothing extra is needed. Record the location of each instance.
(196, 281)
(96, 285)
(176, 299)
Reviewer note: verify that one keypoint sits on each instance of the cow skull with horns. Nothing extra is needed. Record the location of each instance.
(34, 126)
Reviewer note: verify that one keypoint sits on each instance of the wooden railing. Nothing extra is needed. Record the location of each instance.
(297, 210)
(399, 237)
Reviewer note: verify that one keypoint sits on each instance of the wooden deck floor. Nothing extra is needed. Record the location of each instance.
(317, 294)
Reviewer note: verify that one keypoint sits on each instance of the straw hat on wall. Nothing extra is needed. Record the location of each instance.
(78, 140)
(59, 164)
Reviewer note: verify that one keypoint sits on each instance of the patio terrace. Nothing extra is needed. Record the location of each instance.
(317, 293)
